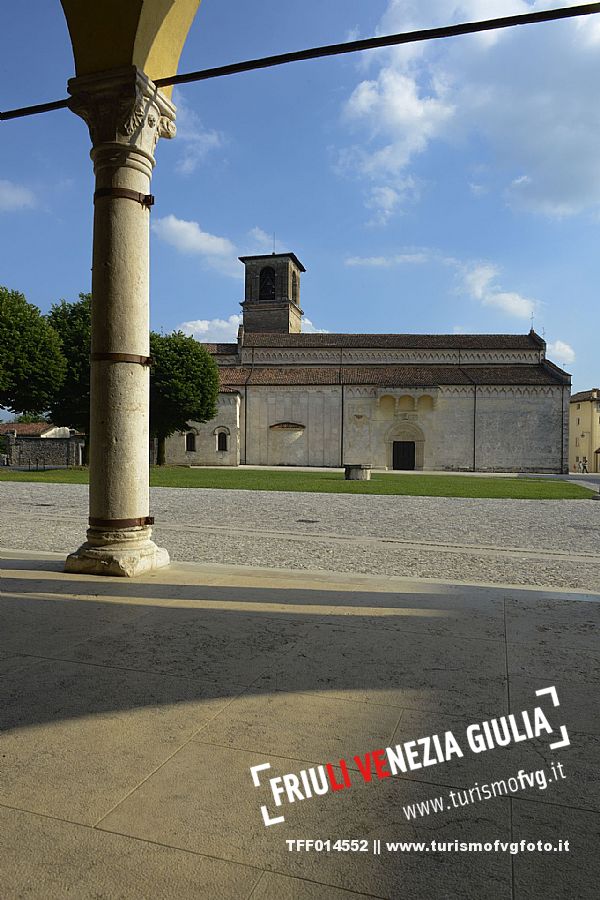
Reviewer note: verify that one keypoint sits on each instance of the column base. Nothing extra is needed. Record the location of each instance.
(127, 562)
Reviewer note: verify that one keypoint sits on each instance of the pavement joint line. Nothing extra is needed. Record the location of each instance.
(312, 881)
(260, 878)
(133, 837)
(395, 729)
(157, 769)
(42, 815)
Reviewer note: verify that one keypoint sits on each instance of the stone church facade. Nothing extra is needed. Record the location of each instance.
(487, 403)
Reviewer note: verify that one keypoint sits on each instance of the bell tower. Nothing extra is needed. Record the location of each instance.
(272, 293)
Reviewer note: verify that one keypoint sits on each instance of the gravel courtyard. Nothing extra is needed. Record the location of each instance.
(552, 542)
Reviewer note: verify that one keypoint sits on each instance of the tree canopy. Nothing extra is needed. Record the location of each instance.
(32, 366)
(184, 384)
(70, 404)
(45, 367)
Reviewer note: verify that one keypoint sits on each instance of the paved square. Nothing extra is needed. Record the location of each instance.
(132, 712)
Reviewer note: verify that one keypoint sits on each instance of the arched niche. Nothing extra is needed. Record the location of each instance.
(387, 406)
(425, 403)
(406, 403)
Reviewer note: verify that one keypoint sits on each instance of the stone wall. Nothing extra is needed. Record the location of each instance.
(25, 451)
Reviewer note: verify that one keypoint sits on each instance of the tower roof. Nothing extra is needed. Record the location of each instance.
(292, 256)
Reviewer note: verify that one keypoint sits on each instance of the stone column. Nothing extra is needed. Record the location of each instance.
(126, 115)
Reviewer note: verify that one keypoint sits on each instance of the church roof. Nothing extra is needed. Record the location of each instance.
(530, 341)
(410, 376)
(221, 348)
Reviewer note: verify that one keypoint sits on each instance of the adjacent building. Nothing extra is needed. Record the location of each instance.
(40, 444)
(584, 431)
(452, 402)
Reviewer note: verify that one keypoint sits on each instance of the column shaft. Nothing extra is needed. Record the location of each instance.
(126, 115)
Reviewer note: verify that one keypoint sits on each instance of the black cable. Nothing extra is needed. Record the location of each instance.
(392, 40)
(410, 37)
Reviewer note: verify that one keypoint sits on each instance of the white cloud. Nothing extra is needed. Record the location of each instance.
(478, 190)
(189, 238)
(261, 241)
(386, 200)
(213, 331)
(479, 281)
(561, 351)
(393, 108)
(386, 262)
(309, 328)
(15, 196)
(195, 141)
(528, 94)
(217, 331)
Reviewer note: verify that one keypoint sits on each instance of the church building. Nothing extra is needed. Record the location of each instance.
(450, 402)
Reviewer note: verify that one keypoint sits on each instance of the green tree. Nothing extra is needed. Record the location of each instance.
(29, 418)
(184, 384)
(70, 404)
(32, 366)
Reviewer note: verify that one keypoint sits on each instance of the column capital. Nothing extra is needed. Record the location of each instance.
(123, 108)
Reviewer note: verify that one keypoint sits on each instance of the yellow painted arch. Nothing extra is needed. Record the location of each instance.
(109, 34)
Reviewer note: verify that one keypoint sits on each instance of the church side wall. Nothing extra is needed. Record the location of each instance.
(516, 428)
(452, 439)
(206, 452)
(520, 429)
(459, 428)
(293, 426)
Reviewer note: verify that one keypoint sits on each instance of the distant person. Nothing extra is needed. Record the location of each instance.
(584, 468)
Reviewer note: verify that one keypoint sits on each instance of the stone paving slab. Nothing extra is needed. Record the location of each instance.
(131, 712)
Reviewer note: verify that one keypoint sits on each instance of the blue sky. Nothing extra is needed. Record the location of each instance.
(446, 187)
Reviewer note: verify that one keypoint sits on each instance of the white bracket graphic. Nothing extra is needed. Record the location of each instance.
(565, 739)
(254, 770)
(565, 742)
(268, 820)
(552, 692)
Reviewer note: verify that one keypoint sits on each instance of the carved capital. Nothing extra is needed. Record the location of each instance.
(124, 108)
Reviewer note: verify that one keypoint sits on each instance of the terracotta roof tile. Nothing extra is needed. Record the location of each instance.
(221, 348)
(531, 341)
(26, 429)
(389, 376)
